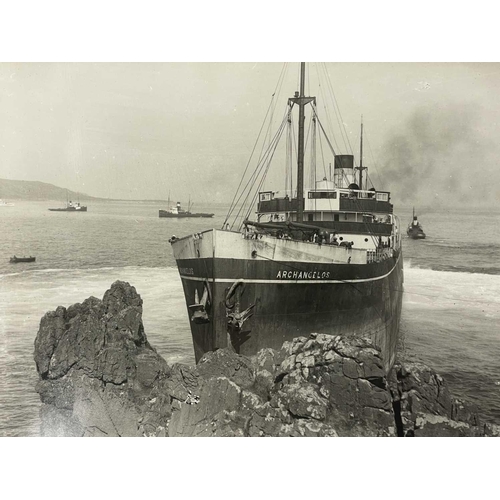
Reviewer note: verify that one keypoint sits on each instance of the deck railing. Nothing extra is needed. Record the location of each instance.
(379, 254)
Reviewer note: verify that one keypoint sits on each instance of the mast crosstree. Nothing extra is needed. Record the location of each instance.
(301, 101)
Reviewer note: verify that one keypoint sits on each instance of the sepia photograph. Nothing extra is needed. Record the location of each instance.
(249, 244)
(250, 249)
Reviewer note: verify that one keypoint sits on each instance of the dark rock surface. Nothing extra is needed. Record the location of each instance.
(428, 409)
(99, 376)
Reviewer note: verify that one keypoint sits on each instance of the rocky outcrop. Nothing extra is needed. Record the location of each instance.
(427, 408)
(317, 386)
(99, 376)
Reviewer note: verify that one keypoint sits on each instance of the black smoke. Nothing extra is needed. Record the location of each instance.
(442, 155)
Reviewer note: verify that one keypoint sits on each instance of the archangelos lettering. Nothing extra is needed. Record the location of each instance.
(303, 275)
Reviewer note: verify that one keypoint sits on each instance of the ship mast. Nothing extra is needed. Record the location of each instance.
(301, 100)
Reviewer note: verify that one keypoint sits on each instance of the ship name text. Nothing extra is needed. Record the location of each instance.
(186, 270)
(303, 275)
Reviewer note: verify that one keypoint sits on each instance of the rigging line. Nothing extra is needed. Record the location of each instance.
(287, 154)
(250, 180)
(335, 110)
(324, 133)
(255, 145)
(254, 199)
(340, 114)
(356, 164)
(259, 185)
(326, 177)
(269, 127)
(312, 165)
(374, 163)
(308, 134)
(289, 164)
(297, 86)
(292, 141)
(322, 154)
(324, 166)
(308, 81)
(327, 113)
(307, 140)
(294, 136)
(262, 163)
(244, 189)
(373, 236)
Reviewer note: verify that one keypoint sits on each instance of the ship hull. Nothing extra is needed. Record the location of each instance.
(297, 292)
(416, 235)
(183, 216)
(82, 209)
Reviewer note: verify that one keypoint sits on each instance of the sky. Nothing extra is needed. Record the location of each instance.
(186, 128)
(150, 130)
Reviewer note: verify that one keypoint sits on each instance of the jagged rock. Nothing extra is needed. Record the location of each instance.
(97, 369)
(100, 377)
(428, 409)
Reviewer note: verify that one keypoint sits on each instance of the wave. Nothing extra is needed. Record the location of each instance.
(464, 246)
(471, 295)
(416, 263)
(82, 270)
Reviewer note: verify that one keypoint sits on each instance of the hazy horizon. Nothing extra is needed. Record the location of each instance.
(146, 130)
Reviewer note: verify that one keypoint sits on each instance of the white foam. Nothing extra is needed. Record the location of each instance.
(440, 289)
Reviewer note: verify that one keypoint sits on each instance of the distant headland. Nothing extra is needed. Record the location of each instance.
(43, 191)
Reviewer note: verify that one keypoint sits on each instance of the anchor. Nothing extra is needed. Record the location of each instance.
(235, 317)
(199, 308)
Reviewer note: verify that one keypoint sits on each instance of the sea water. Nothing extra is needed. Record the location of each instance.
(451, 306)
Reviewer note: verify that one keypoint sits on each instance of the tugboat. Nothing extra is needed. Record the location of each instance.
(415, 230)
(15, 260)
(324, 259)
(70, 207)
(177, 212)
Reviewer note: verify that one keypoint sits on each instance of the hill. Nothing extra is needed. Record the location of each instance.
(37, 191)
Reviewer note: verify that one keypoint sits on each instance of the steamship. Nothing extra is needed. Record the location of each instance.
(415, 230)
(325, 258)
(70, 207)
(177, 212)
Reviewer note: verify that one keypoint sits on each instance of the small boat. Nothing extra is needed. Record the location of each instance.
(15, 260)
(177, 212)
(415, 230)
(5, 204)
(70, 207)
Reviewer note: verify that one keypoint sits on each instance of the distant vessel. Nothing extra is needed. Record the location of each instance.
(70, 207)
(5, 204)
(15, 260)
(415, 230)
(323, 259)
(177, 212)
